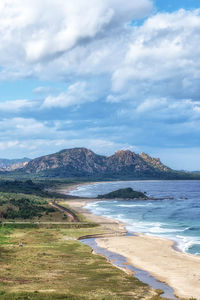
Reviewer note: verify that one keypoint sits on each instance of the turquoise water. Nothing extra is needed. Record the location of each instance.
(177, 217)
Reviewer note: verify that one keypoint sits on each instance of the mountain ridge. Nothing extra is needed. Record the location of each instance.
(13, 164)
(84, 163)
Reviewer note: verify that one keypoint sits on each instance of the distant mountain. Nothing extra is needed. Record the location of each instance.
(83, 163)
(13, 164)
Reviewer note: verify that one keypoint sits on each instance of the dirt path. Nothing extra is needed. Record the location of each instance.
(71, 216)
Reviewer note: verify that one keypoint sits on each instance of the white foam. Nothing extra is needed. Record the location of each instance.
(184, 243)
(160, 229)
(134, 205)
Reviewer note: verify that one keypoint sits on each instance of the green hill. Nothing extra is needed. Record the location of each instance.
(127, 193)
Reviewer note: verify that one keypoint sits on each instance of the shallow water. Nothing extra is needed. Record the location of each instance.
(176, 218)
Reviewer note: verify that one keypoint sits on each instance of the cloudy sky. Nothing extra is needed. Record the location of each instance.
(106, 75)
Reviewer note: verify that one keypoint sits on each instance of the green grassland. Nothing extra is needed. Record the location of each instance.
(41, 257)
(52, 264)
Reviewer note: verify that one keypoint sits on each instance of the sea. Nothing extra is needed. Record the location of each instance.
(175, 216)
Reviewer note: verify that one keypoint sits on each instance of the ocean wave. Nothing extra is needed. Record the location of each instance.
(151, 228)
(193, 228)
(134, 205)
(144, 227)
(91, 205)
(185, 243)
(159, 229)
(176, 220)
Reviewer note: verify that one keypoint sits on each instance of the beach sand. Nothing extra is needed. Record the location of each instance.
(179, 270)
(110, 227)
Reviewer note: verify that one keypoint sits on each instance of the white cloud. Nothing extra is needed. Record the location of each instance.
(41, 90)
(8, 144)
(151, 104)
(165, 52)
(38, 147)
(33, 31)
(15, 105)
(81, 38)
(21, 126)
(76, 94)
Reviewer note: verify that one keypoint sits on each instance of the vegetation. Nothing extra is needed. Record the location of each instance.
(38, 188)
(24, 208)
(127, 193)
(52, 264)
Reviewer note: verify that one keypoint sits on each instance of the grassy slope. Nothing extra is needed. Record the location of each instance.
(52, 264)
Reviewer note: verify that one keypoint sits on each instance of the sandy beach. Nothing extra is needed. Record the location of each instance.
(179, 270)
(110, 227)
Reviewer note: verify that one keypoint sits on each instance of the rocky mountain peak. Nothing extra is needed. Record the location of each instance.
(84, 163)
(123, 152)
(148, 157)
(154, 162)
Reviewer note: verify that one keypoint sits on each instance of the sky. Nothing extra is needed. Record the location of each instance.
(105, 75)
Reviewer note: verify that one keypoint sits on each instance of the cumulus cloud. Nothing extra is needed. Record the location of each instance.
(21, 127)
(76, 94)
(36, 31)
(163, 55)
(8, 144)
(15, 105)
(42, 90)
(151, 104)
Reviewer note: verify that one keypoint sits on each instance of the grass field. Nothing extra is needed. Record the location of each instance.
(52, 264)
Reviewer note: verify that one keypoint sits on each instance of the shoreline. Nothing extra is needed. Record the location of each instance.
(158, 256)
(121, 262)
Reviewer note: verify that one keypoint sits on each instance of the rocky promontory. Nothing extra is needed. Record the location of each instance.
(127, 193)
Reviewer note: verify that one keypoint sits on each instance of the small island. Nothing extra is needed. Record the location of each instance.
(127, 193)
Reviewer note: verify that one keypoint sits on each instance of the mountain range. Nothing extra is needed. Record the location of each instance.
(13, 164)
(84, 163)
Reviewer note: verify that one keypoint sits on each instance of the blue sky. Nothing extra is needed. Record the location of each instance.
(106, 75)
(172, 5)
